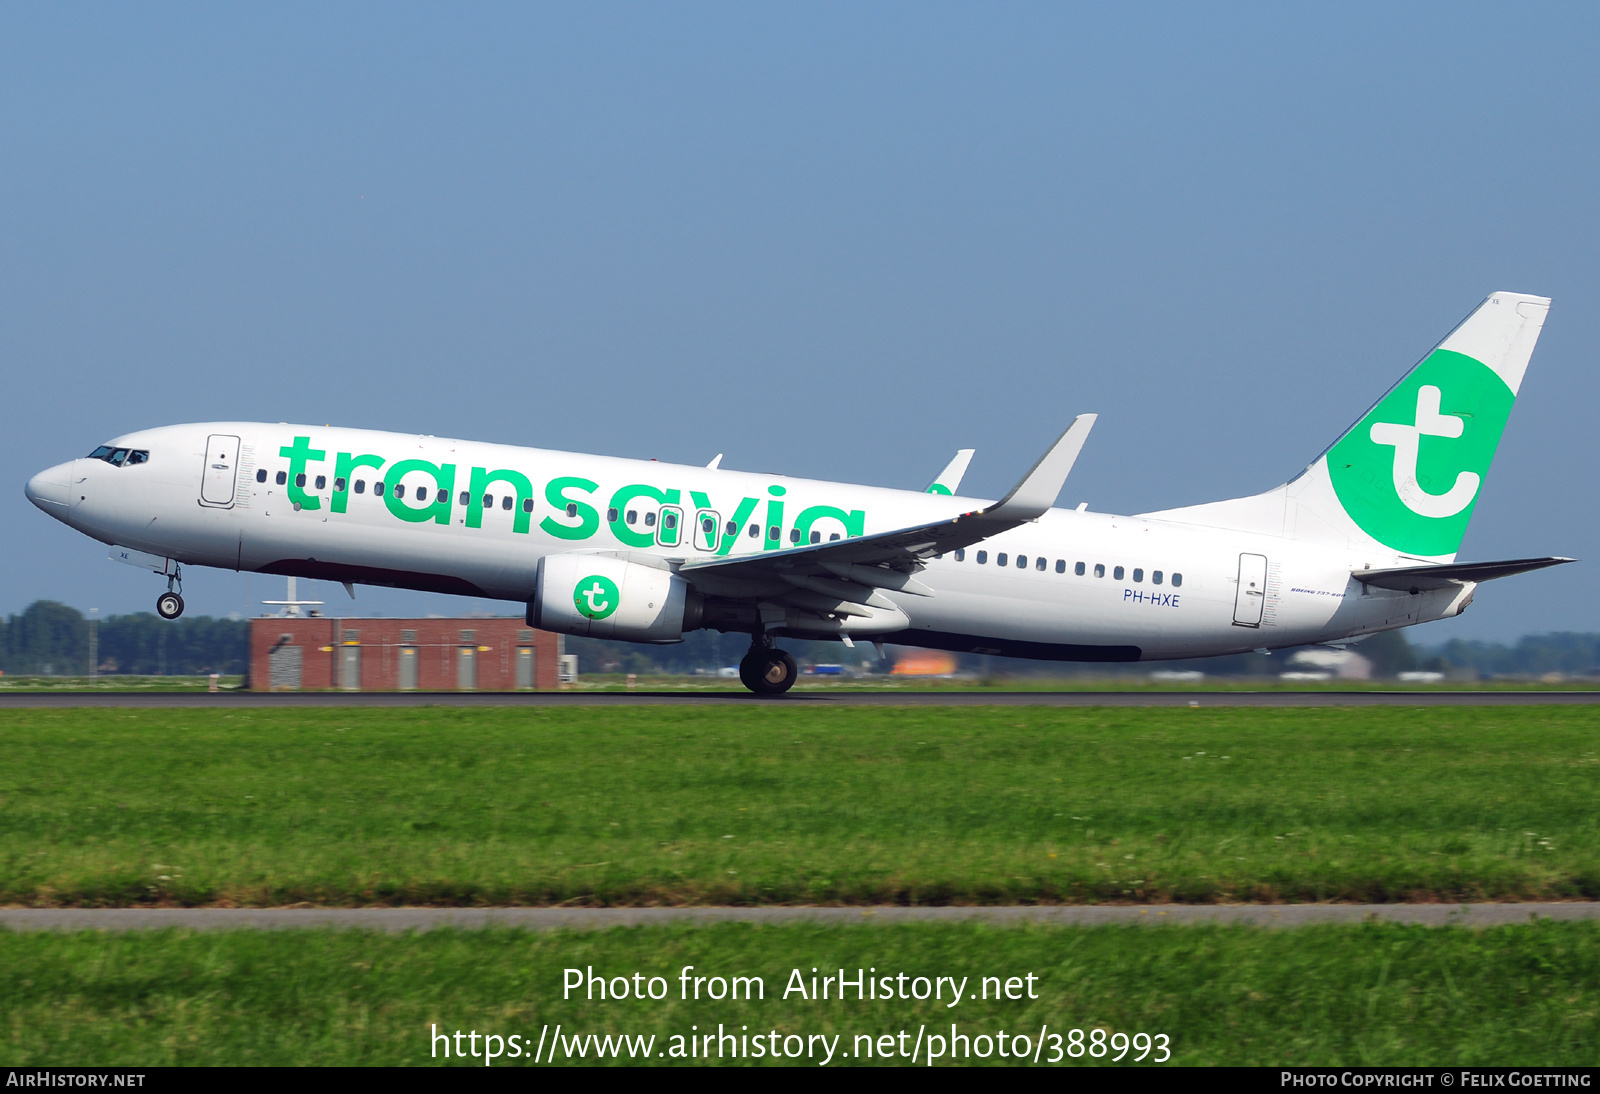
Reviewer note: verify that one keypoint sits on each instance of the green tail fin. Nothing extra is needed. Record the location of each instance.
(1408, 474)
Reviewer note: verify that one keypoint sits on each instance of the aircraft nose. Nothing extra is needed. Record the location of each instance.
(48, 489)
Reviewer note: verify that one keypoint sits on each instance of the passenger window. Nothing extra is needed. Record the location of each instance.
(816, 537)
(1078, 569)
(377, 489)
(1155, 577)
(1039, 564)
(832, 536)
(466, 498)
(669, 521)
(961, 554)
(527, 505)
(1138, 575)
(1000, 559)
(983, 556)
(300, 481)
(283, 477)
(708, 526)
(649, 520)
(444, 496)
(774, 533)
(261, 475)
(488, 501)
(1177, 579)
(794, 535)
(632, 517)
(611, 516)
(1117, 573)
(755, 530)
(322, 482)
(399, 489)
(1099, 569)
(732, 529)
(339, 485)
(572, 508)
(507, 502)
(1061, 565)
(361, 486)
(1022, 562)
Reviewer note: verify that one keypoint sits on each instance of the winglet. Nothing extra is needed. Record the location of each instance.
(948, 481)
(1037, 491)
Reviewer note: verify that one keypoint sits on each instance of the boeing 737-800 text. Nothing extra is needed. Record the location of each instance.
(1363, 540)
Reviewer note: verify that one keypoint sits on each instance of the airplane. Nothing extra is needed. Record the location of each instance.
(1363, 540)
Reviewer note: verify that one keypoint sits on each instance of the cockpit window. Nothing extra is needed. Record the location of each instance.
(119, 457)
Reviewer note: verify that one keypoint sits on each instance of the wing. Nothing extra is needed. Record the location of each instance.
(1414, 579)
(844, 576)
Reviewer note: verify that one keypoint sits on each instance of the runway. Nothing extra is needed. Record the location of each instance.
(373, 699)
(395, 920)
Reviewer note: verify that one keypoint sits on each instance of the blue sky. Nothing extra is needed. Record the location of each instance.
(829, 240)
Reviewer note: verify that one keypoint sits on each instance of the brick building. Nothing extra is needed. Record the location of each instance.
(288, 654)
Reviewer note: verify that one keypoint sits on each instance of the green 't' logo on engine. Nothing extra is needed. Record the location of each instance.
(596, 597)
(1410, 471)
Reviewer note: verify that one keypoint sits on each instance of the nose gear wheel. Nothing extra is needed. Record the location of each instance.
(169, 605)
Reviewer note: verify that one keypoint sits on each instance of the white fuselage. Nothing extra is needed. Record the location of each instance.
(198, 503)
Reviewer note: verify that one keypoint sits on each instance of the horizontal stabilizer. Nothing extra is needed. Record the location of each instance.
(1416, 579)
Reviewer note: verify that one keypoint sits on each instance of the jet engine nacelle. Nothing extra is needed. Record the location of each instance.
(599, 596)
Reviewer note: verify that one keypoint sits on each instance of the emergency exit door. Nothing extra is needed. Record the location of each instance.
(1251, 598)
(217, 479)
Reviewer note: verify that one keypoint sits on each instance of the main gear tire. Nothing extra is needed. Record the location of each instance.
(750, 668)
(777, 673)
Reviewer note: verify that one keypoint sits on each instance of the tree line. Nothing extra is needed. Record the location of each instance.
(52, 639)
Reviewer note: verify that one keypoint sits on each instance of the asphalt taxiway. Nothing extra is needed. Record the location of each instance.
(890, 698)
(395, 920)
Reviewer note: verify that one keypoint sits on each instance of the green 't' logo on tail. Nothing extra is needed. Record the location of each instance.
(596, 597)
(1410, 471)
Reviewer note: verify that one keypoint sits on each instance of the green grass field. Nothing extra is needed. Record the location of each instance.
(786, 803)
(1325, 995)
(117, 683)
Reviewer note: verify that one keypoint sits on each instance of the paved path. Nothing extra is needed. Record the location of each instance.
(543, 919)
(375, 700)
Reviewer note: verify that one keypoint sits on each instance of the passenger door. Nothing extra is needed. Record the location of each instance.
(217, 478)
(1251, 599)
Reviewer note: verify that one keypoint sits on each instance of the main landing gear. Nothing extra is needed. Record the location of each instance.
(767, 670)
(169, 605)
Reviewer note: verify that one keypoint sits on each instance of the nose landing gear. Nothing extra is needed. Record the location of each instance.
(767, 670)
(169, 605)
